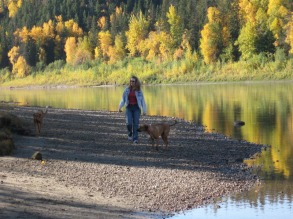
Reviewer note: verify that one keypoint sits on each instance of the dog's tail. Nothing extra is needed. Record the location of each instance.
(175, 122)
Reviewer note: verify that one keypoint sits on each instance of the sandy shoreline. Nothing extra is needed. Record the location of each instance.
(91, 170)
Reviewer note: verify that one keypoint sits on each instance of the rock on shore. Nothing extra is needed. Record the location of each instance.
(90, 169)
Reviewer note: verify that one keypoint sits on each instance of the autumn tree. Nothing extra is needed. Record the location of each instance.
(83, 51)
(138, 31)
(289, 34)
(211, 36)
(158, 45)
(102, 23)
(105, 42)
(19, 66)
(117, 52)
(77, 51)
(73, 29)
(278, 16)
(176, 26)
(13, 6)
(255, 36)
(70, 49)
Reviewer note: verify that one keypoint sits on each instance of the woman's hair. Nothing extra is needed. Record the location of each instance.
(137, 83)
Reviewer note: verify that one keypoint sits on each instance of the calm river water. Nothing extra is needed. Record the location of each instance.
(266, 108)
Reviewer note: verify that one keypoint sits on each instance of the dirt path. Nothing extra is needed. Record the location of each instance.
(91, 170)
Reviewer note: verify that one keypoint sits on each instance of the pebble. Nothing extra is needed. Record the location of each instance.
(191, 173)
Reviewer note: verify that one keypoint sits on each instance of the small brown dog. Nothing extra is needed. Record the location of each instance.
(38, 119)
(157, 130)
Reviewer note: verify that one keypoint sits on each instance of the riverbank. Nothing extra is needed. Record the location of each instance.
(91, 170)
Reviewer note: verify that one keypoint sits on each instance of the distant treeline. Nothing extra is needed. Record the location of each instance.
(37, 33)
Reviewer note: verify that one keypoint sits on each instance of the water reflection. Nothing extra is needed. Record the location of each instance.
(274, 200)
(266, 108)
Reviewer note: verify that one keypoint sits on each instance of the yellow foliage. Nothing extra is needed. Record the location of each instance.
(118, 13)
(48, 30)
(23, 34)
(70, 49)
(21, 68)
(278, 14)
(165, 45)
(59, 25)
(105, 42)
(73, 28)
(102, 22)
(117, 52)
(289, 34)
(158, 44)
(36, 34)
(13, 6)
(226, 36)
(77, 53)
(13, 54)
(118, 10)
(208, 45)
(176, 27)
(188, 53)
(178, 54)
(138, 30)
(150, 46)
(81, 56)
(248, 10)
(275, 27)
(213, 15)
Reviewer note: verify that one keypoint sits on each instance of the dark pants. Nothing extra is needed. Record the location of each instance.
(132, 120)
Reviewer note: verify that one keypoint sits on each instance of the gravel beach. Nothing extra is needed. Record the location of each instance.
(91, 170)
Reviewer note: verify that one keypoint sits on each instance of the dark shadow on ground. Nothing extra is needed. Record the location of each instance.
(23, 205)
(100, 137)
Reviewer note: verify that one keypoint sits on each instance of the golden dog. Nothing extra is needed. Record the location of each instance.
(157, 130)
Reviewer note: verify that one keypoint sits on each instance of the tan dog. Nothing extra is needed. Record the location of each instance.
(38, 119)
(157, 130)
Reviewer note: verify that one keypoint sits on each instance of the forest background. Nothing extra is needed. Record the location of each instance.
(95, 42)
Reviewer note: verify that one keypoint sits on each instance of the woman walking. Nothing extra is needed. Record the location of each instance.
(134, 100)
